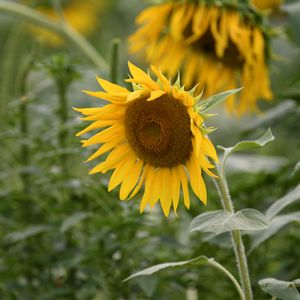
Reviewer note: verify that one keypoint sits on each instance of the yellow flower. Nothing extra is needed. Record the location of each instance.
(217, 48)
(267, 4)
(83, 16)
(156, 138)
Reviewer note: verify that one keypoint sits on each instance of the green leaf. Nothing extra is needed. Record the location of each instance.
(297, 168)
(149, 271)
(286, 200)
(281, 289)
(248, 145)
(214, 100)
(202, 260)
(18, 236)
(275, 225)
(272, 115)
(73, 220)
(220, 221)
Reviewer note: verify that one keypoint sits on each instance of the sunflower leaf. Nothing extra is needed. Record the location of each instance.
(275, 225)
(219, 221)
(214, 100)
(265, 139)
(73, 220)
(149, 271)
(281, 203)
(21, 235)
(285, 290)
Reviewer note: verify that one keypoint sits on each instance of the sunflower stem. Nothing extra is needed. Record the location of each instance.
(24, 126)
(114, 60)
(218, 266)
(63, 29)
(63, 114)
(236, 236)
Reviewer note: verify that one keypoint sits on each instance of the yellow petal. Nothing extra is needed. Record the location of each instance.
(209, 148)
(105, 135)
(175, 188)
(96, 125)
(130, 181)
(165, 194)
(112, 160)
(122, 169)
(101, 111)
(162, 78)
(115, 98)
(197, 139)
(156, 94)
(141, 181)
(147, 193)
(184, 183)
(116, 116)
(111, 87)
(155, 187)
(138, 95)
(197, 183)
(105, 148)
(142, 77)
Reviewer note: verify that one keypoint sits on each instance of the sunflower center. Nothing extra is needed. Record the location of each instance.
(158, 131)
(231, 58)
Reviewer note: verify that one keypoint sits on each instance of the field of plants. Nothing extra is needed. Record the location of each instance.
(149, 150)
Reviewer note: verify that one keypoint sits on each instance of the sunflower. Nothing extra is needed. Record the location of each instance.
(217, 48)
(81, 15)
(156, 138)
(272, 5)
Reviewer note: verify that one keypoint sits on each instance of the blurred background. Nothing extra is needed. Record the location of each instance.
(63, 236)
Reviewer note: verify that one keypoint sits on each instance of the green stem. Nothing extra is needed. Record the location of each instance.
(218, 266)
(114, 60)
(24, 151)
(24, 129)
(61, 28)
(237, 241)
(63, 115)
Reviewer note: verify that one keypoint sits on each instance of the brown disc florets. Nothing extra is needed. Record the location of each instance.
(159, 131)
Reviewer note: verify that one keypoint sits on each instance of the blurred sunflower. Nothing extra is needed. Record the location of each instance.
(217, 47)
(156, 137)
(83, 16)
(271, 5)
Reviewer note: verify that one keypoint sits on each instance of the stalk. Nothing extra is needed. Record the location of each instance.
(24, 129)
(24, 151)
(238, 246)
(63, 116)
(114, 60)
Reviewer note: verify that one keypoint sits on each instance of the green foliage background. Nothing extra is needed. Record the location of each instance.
(63, 236)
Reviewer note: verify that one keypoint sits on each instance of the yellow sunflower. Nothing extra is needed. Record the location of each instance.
(156, 138)
(217, 48)
(272, 5)
(81, 15)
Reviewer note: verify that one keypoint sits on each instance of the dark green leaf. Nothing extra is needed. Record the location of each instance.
(280, 204)
(214, 100)
(281, 289)
(249, 145)
(149, 271)
(73, 220)
(220, 221)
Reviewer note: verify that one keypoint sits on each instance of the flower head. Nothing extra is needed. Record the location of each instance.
(218, 48)
(156, 138)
